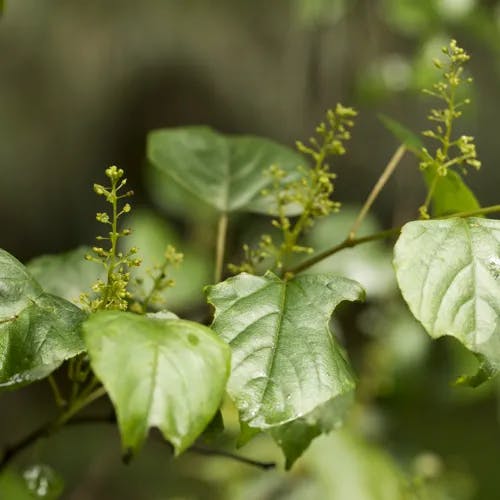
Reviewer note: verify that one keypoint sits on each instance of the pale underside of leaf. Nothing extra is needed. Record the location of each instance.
(164, 373)
(449, 274)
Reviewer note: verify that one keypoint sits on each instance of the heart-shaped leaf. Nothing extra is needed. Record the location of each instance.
(286, 363)
(169, 374)
(225, 172)
(38, 331)
(449, 274)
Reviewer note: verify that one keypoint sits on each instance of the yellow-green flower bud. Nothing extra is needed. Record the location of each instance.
(99, 189)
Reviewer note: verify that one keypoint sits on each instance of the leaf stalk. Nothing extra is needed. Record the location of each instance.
(220, 246)
(377, 188)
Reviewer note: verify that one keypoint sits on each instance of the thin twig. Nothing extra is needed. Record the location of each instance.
(220, 245)
(7, 320)
(349, 243)
(430, 193)
(205, 450)
(379, 185)
(59, 399)
(471, 213)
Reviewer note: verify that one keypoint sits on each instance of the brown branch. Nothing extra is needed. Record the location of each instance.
(352, 242)
(205, 450)
(347, 243)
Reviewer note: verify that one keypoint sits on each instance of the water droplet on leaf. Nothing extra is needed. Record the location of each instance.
(43, 482)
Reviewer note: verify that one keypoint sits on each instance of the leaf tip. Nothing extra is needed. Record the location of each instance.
(485, 372)
(127, 455)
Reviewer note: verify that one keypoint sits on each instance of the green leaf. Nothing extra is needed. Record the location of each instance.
(68, 274)
(286, 363)
(484, 373)
(13, 486)
(214, 428)
(246, 434)
(38, 331)
(163, 314)
(224, 172)
(411, 140)
(451, 194)
(449, 274)
(296, 436)
(169, 374)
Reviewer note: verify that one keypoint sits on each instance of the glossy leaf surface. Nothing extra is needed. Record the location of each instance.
(227, 173)
(286, 363)
(449, 274)
(38, 331)
(169, 374)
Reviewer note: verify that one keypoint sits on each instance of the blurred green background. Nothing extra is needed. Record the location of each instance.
(81, 84)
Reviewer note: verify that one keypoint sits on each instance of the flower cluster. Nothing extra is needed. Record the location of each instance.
(310, 194)
(112, 293)
(450, 152)
(160, 282)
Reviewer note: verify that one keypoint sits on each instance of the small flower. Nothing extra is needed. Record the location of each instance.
(450, 152)
(112, 294)
(311, 192)
(102, 217)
